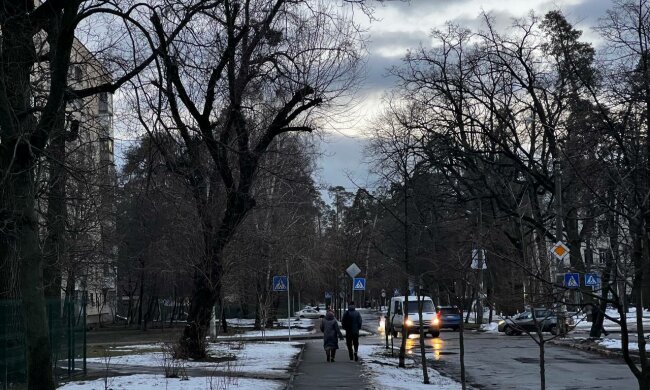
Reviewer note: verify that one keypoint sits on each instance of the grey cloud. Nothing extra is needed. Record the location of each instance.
(400, 39)
(342, 159)
(420, 7)
(378, 76)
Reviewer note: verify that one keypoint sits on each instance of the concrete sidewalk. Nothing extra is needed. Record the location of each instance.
(314, 372)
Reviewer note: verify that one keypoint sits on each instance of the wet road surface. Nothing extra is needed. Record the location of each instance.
(496, 361)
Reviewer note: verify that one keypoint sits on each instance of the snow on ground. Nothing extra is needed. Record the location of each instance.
(268, 333)
(297, 323)
(157, 382)
(241, 322)
(617, 344)
(249, 323)
(581, 319)
(492, 327)
(250, 359)
(136, 347)
(267, 357)
(385, 374)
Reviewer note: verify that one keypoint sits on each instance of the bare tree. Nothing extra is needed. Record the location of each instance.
(233, 81)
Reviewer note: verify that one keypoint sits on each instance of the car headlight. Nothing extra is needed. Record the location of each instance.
(501, 322)
(409, 323)
(436, 321)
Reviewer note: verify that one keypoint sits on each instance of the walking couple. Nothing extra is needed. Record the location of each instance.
(351, 322)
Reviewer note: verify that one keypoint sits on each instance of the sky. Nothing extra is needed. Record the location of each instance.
(401, 25)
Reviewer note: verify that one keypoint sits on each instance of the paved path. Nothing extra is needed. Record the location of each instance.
(314, 372)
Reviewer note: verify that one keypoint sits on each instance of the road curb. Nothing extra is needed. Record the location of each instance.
(296, 365)
(594, 348)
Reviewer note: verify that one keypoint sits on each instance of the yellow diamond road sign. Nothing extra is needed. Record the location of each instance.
(560, 250)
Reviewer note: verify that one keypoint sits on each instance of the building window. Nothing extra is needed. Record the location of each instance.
(103, 103)
(589, 256)
(602, 255)
(78, 74)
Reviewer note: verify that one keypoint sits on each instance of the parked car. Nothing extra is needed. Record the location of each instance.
(309, 312)
(524, 322)
(449, 317)
(430, 318)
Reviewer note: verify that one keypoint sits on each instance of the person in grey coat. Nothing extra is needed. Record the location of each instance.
(331, 335)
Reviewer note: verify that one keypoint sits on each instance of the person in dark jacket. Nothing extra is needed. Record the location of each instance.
(331, 335)
(352, 324)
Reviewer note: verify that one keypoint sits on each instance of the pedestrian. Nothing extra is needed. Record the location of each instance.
(600, 314)
(352, 324)
(331, 335)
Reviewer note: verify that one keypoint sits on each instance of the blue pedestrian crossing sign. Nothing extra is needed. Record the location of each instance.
(396, 292)
(280, 283)
(359, 284)
(328, 295)
(592, 280)
(572, 280)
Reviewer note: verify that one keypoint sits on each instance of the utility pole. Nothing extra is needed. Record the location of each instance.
(405, 309)
(480, 260)
(288, 301)
(557, 177)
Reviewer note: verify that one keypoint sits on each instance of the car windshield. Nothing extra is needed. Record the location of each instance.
(449, 310)
(427, 306)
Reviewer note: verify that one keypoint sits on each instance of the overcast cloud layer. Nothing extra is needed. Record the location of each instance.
(402, 25)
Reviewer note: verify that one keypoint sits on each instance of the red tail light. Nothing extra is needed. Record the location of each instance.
(438, 315)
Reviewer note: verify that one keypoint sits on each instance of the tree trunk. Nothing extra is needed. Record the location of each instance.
(423, 355)
(39, 364)
(54, 246)
(461, 339)
(207, 284)
(405, 317)
(542, 365)
(141, 298)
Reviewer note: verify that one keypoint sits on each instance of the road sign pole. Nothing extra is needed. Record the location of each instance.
(288, 301)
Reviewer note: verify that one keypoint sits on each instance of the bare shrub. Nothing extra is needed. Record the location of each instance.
(226, 374)
(173, 365)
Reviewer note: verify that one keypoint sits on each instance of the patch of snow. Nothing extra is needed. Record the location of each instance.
(268, 333)
(241, 322)
(157, 382)
(618, 344)
(136, 347)
(492, 327)
(270, 357)
(297, 323)
(385, 374)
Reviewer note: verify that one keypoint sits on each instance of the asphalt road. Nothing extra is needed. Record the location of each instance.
(496, 361)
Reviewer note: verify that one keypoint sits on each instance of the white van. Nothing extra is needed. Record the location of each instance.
(430, 319)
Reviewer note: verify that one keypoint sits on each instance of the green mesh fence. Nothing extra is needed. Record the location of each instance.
(67, 325)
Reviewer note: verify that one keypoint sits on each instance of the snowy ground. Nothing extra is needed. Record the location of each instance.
(250, 361)
(158, 382)
(609, 325)
(244, 327)
(269, 333)
(617, 344)
(250, 357)
(492, 327)
(385, 374)
(249, 323)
